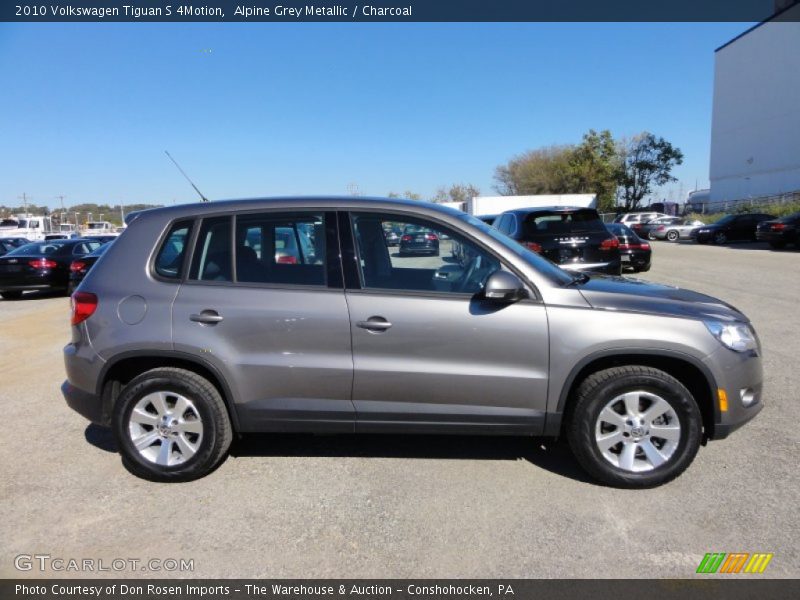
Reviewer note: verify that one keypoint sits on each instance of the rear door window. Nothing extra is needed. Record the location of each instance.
(279, 248)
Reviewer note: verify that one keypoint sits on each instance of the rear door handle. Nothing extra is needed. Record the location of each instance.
(207, 317)
(374, 324)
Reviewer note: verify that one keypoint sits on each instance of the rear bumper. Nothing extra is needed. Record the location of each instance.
(88, 405)
(84, 368)
(7, 287)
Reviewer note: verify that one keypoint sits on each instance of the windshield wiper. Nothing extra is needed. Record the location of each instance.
(579, 278)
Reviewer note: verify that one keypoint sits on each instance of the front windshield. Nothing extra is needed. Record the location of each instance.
(725, 220)
(541, 264)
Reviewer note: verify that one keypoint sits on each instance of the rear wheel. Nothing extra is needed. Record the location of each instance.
(777, 245)
(634, 426)
(171, 425)
(11, 295)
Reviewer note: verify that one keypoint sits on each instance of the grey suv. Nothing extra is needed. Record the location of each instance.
(208, 320)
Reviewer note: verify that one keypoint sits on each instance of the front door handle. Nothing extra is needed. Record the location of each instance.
(374, 324)
(206, 317)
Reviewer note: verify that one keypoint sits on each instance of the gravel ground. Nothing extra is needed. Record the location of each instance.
(318, 506)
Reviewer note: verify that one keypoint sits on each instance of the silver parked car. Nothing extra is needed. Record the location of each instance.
(197, 325)
(677, 230)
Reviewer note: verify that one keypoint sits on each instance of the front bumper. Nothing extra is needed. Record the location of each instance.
(738, 374)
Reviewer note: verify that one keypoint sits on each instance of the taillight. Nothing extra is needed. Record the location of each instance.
(430, 237)
(626, 247)
(609, 244)
(406, 238)
(778, 226)
(286, 260)
(533, 246)
(644, 246)
(83, 306)
(76, 266)
(43, 263)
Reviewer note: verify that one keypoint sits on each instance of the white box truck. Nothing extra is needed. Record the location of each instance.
(494, 205)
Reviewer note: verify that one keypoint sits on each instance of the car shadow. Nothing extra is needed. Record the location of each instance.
(546, 454)
(37, 295)
(100, 437)
(543, 453)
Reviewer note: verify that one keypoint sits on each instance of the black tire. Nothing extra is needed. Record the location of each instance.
(720, 238)
(643, 269)
(14, 295)
(600, 388)
(216, 435)
(651, 236)
(777, 245)
(672, 236)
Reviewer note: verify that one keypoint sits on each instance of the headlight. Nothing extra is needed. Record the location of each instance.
(703, 230)
(736, 336)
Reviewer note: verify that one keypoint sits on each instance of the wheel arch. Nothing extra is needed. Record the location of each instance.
(687, 369)
(123, 367)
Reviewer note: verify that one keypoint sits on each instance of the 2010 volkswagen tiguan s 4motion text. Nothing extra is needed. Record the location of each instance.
(194, 327)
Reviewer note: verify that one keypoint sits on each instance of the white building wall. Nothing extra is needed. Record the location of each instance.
(755, 130)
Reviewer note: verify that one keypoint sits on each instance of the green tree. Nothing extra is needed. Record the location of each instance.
(541, 171)
(646, 162)
(595, 168)
(407, 194)
(458, 192)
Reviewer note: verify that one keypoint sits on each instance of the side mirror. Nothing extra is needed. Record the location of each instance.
(503, 286)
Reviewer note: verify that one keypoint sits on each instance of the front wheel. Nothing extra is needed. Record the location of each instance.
(634, 426)
(171, 425)
(720, 238)
(672, 236)
(651, 236)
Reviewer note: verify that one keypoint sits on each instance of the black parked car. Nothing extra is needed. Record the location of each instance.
(634, 252)
(16, 241)
(574, 238)
(419, 240)
(392, 236)
(729, 229)
(79, 267)
(6, 246)
(780, 232)
(40, 266)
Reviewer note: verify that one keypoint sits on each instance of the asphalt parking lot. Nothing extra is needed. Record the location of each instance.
(347, 506)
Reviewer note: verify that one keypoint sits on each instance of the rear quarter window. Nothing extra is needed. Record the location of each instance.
(169, 260)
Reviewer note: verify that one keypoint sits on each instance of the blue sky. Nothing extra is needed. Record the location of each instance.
(266, 109)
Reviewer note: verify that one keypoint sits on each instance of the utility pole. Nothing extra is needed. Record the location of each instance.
(25, 199)
(62, 202)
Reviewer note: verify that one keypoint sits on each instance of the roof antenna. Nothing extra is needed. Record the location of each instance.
(203, 198)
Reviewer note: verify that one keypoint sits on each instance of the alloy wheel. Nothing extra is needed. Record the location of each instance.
(165, 428)
(637, 431)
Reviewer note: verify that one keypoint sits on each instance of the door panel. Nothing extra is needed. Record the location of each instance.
(429, 353)
(271, 319)
(286, 353)
(449, 363)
